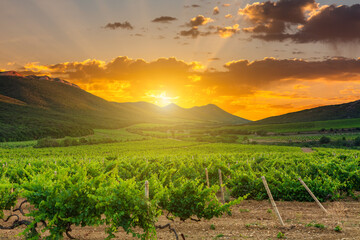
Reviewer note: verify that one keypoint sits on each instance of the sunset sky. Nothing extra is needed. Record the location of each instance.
(254, 59)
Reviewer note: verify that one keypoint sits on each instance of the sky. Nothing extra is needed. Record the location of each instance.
(253, 59)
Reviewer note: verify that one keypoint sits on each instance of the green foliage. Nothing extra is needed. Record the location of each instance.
(319, 225)
(125, 206)
(337, 228)
(82, 197)
(357, 141)
(212, 227)
(67, 141)
(64, 199)
(280, 235)
(8, 199)
(46, 142)
(187, 198)
(324, 140)
(219, 236)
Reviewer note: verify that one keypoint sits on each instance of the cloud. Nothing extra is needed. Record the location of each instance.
(303, 21)
(270, 71)
(192, 6)
(164, 19)
(116, 25)
(225, 32)
(228, 16)
(213, 59)
(291, 11)
(216, 11)
(194, 23)
(331, 23)
(193, 32)
(198, 21)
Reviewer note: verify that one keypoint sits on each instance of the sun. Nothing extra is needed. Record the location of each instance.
(161, 99)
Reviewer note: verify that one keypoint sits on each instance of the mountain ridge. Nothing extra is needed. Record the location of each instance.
(76, 108)
(322, 113)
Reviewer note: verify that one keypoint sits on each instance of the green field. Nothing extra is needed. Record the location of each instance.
(301, 126)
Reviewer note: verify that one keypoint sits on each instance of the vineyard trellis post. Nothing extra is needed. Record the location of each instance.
(272, 200)
(221, 187)
(229, 177)
(207, 178)
(312, 195)
(147, 189)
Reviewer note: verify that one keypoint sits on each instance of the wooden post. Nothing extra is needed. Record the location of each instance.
(147, 189)
(12, 208)
(272, 200)
(221, 188)
(312, 195)
(207, 178)
(229, 177)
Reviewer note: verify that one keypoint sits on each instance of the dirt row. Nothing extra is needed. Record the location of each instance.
(251, 220)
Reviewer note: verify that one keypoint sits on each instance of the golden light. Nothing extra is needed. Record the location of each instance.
(160, 99)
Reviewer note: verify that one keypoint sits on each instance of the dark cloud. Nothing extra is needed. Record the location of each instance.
(267, 71)
(116, 25)
(194, 23)
(332, 23)
(291, 11)
(298, 52)
(164, 19)
(193, 32)
(287, 19)
(192, 6)
(198, 21)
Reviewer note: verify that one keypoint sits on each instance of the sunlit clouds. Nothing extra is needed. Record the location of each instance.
(243, 88)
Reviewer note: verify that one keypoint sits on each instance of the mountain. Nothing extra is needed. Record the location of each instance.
(38, 106)
(324, 113)
(208, 113)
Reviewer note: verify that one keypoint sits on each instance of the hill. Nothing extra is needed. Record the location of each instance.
(331, 112)
(34, 107)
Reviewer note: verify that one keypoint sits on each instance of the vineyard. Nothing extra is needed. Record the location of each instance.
(103, 185)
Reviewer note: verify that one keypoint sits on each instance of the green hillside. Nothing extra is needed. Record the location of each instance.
(331, 112)
(33, 107)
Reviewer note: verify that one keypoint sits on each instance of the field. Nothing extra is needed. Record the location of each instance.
(98, 190)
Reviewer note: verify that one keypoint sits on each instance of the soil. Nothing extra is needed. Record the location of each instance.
(307, 150)
(250, 220)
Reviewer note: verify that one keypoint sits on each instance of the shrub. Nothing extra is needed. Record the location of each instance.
(324, 140)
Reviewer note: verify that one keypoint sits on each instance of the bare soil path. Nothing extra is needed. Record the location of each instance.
(307, 150)
(251, 220)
